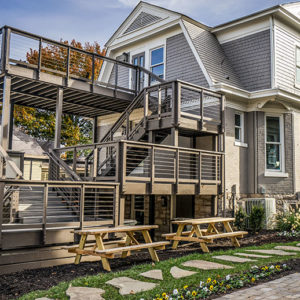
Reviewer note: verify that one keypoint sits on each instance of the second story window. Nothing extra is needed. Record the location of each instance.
(297, 65)
(239, 127)
(157, 62)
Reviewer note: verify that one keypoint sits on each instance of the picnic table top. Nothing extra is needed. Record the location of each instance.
(203, 221)
(115, 229)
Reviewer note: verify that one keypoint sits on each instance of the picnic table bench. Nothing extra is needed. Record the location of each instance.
(123, 247)
(204, 236)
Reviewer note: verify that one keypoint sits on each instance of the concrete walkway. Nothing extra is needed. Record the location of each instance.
(287, 287)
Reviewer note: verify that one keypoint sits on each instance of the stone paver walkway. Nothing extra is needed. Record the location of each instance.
(130, 286)
(287, 248)
(287, 287)
(275, 252)
(180, 273)
(87, 293)
(233, 258)
(153, 274)
(205, 265)
(252, 255)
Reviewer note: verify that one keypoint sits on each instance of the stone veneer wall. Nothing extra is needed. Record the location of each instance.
(203, 206)
(162, 217)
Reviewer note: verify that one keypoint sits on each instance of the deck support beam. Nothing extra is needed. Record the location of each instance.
(58, 117)
(6, 113)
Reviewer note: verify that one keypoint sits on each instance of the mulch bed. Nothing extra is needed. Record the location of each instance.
(16, 284)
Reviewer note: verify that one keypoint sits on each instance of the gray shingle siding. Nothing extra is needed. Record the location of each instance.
(181, 62)
(123, 76)
(250, 57)
(143, 19)
(212, 55)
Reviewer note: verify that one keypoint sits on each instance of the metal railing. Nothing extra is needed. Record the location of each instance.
(23, 49)
(129, 161)
(41, 206)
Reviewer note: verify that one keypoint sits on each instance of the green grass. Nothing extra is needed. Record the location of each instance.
(169, 283)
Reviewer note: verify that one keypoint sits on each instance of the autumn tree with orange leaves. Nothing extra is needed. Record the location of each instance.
(41, 123)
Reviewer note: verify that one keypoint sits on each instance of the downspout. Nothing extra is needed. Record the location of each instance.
(255, 150)
(294, 153)
(272, 50)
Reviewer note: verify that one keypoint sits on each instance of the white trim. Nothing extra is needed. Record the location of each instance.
(276, 174)
(164, 57)
(273, 52)
(196, 54)
(281, 143)
(240, 144)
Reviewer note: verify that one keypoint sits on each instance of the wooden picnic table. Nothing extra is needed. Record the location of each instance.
(204, 236)
(108, 249)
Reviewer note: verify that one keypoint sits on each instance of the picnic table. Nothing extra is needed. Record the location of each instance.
(108, 249)
(204, 236)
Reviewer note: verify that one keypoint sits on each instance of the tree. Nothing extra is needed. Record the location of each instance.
(40, 123)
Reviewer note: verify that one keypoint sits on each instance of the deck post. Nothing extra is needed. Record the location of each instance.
(59, 107)
(11, 125)
(5, 49)
(95, 130)
(6, 114)
(45, 204)
(2, 187)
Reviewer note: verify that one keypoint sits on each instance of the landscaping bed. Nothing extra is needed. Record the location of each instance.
(14, 285)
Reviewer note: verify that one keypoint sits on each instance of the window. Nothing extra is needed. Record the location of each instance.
(239, 127)
(274, 147)
(157, 62)
(297, 65)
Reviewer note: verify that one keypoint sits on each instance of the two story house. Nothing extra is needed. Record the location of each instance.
(255, 62)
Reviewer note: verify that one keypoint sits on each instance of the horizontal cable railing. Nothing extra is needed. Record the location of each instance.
(27, 50)
(42, 205)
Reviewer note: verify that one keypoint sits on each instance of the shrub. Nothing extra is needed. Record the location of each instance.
(240, 219)
(256, 218)
(289, 221)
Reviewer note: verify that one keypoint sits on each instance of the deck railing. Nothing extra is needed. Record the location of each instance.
(129, 161)
(39, 205)
(27, 50)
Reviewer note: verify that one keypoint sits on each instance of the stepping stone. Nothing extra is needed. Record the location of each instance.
(205, 265)
(288, 248)
(298, 245)
(252, 255)
(128, 285)
(153, 274)
(233, 258)
(275, 252)
(180, 273)
(43, 298)
(87, 293)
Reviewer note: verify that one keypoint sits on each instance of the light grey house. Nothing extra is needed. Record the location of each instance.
(255, 62)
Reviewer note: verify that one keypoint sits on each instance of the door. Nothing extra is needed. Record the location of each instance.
(138, 60)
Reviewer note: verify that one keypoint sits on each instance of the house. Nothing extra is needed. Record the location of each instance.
(188, 119)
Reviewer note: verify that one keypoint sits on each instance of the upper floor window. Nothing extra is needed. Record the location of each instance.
(157, 62)
(297, 65)
(274, 143)
(239, 127)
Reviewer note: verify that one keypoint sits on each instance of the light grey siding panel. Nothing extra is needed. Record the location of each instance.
(250, 57)
(123, 76)
(212, 55)
(181, 62)
(285, 47)
(275, 185)
(143, 19)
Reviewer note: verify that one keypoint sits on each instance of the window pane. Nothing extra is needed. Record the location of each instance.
(157, 56)
(298, 75)
(135, 61)
(298, 56)
(273, 156)
(158, 70)
(273, 129)
(237, 120)
(237, 134)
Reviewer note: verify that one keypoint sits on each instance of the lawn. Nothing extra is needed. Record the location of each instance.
(169, 283)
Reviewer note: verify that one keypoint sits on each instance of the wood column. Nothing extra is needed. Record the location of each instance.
(58, 116)
(6, 113)
(95, 130)
(11, 126)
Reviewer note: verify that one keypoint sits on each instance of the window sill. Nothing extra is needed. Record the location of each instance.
(276, 174)
(240, 144)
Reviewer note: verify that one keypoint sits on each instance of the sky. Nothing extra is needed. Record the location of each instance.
(97, 20)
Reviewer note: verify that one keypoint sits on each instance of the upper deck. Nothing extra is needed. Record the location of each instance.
(38, 66)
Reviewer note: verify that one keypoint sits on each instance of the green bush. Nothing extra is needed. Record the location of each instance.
(289, 221)
(240, 219)
(256, 218)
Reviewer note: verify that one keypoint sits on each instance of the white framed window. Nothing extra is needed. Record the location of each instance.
(157, 62)
(239, 127)
(297, 58)
(274, 141)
